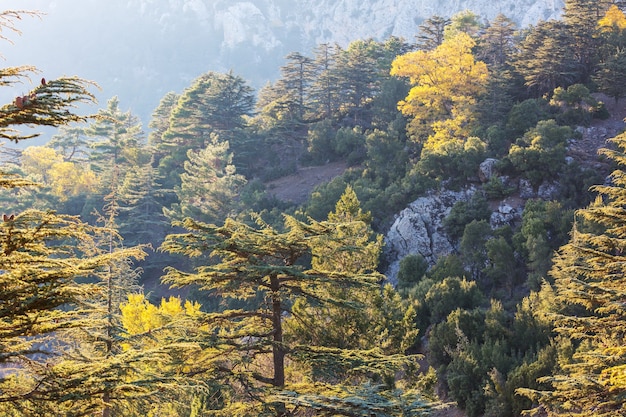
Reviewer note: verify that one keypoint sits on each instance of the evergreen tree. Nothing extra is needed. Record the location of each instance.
(366, 327)
(46, 105)
(72, 143)
(546, 59)
(296, 77)
(430, 33)
(118, 138)
(581, 18)
(359, 79)
(103, 369)
(214, 104)
(264, 268)
(589, 282)
(209, 186)
(497, 43)
(466, 22)
(160, 121)
(141, 219)
(325, 88)
(39, 262)
(611, 74)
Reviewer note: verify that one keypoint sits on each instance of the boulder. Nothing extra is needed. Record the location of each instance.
(486, 170)
(418, 229)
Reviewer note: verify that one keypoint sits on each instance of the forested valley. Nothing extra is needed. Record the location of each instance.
(158, 272)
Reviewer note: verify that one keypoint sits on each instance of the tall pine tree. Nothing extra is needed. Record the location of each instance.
(590, 280)
(266, 270)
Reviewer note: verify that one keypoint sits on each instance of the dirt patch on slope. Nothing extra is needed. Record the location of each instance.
(596, 135)
(298, 187)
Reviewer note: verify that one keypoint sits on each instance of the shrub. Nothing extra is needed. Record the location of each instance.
(412, 270)
(463, 212)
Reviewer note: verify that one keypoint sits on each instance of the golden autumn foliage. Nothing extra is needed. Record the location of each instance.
(140, 316)
(66, 179)
(446, 82)
(613, 19)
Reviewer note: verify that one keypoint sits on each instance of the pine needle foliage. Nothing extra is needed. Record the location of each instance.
(262, 372)
(590, 283)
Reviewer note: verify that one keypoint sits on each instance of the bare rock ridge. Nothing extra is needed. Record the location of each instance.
(267, 23)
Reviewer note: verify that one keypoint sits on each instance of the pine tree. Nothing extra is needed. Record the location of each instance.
(611, 74)
(71, 142)
(160, 121)
(497, 43)
(466, 22)
(430, 33)
(262, 267)
(589, 279)
(370, 325)
(38, 254)
(296, 78)
(325, 88)
(215, 103)
(546, 59)
(47, 273)
(581, 19)
(209, 186)
(45, 105)
(359, 79)
(102, 368)
(118, 135)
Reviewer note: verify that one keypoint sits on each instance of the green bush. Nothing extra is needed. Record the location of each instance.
(446, 266)
(540, 154)
(452, 293)
(412, 270)
(463, 212)
(525, 115)
(495, 189)
(350, 144)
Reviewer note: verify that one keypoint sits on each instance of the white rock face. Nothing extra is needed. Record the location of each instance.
(271, 23)
(418, 229)
(346, 20)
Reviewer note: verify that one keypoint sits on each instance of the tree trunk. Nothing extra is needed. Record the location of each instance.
(278, 349)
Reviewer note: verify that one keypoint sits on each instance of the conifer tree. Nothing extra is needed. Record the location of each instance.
(46, 272)
(264, 268)
(325, 88)
(611, 74)
(581, 18)
(296, 78)
(160, 121)
(102, 368)
(545, 59)
(38, 257)
(430, 33)
(589, 278)
(364, 327)
(118, 135)
(71, 142)
(215, 103)
(209, 186)
(497, 43)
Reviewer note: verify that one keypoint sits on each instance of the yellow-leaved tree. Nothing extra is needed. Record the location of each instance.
(446, 82)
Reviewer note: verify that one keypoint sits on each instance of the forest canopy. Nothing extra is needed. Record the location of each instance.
(158, 273)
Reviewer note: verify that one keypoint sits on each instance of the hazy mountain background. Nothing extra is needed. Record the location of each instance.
(139, 50)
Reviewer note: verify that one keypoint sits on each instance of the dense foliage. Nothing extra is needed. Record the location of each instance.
(283, 309)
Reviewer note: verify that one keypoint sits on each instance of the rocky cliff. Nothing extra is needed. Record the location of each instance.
(268, 23)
